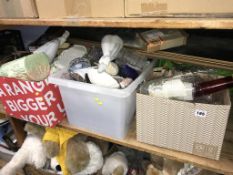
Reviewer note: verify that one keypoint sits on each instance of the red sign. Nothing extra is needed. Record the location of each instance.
(36, 102)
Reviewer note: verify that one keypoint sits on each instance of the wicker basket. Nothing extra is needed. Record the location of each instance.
(188, 127)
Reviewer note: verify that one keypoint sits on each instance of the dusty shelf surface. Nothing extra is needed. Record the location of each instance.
(224, 165)
(188, 23)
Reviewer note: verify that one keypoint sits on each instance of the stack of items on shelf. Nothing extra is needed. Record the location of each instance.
(110, 8)
(175, 109)
(188, 109)
(95, 83)
(117, 67)
(70, 153)
(149, 40)
(25, 92)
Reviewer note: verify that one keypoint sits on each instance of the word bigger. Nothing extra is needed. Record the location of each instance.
(37, 102)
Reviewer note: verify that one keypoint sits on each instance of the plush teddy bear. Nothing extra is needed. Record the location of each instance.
(115, 164)
(163, 166)
(76, 154)
(189, 169)
(31, 152)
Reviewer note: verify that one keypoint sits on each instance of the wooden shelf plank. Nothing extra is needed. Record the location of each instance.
(188, 23)
(196, 60)
(224, 165)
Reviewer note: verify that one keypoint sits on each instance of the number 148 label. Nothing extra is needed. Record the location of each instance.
(200, 113)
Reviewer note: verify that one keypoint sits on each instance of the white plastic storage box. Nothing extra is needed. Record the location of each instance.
(102, 110)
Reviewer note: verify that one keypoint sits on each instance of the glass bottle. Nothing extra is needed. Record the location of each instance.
(210, 87)
(187, 88)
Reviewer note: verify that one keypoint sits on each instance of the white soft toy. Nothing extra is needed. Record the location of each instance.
(115, 164)
(96, 160)
(54, 165)
(31, 152)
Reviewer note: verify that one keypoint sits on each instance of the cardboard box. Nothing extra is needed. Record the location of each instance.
(18, 9)
(178, 8)
(194, 128)
(36, 102)
(80, 8)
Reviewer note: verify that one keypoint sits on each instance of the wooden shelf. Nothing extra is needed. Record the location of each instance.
(196, 60)
(224, 165)
(188, 23)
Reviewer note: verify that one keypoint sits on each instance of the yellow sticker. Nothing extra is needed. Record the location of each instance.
(98, 101)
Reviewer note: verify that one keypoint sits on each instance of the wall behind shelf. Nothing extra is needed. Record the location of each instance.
(30, 33)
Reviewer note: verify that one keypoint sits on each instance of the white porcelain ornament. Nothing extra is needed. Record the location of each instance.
(111, 46)
(102, 79)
